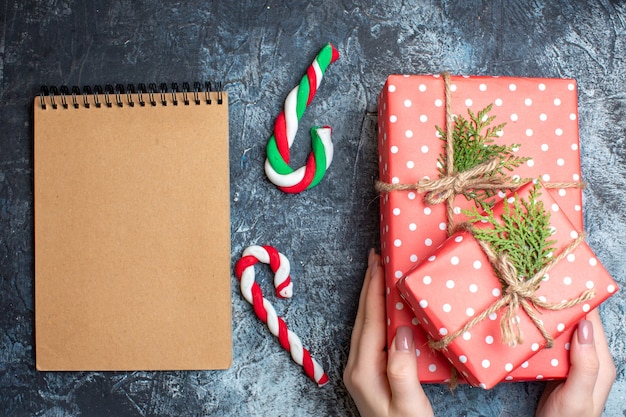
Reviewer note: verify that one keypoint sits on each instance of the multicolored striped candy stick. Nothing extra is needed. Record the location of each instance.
(244, 270)
(277, 166)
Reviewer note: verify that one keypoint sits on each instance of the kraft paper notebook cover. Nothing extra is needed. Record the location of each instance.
(132, 229)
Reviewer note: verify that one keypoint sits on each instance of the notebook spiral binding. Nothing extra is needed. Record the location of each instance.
(130, 95)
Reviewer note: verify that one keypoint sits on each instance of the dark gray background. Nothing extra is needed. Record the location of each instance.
(260, 49)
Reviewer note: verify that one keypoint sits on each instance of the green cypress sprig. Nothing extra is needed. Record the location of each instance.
(522, 232)
(473, 144)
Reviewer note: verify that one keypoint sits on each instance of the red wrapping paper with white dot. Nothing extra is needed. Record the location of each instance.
(540, 113)
(456, 282)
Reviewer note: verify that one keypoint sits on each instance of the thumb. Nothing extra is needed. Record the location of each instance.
(585, 365)
(407, 394)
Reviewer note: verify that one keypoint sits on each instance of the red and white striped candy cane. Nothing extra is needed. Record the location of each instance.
(244, 270)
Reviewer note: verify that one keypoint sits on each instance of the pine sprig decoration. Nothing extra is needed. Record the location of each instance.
(473, 144)
(522, 232)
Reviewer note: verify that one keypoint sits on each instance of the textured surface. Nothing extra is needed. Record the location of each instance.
(260, 50)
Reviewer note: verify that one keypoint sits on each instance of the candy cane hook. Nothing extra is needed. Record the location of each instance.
(244, 270)
(277, 166)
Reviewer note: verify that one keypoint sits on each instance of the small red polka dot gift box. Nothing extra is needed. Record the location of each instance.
(540, 115)
(502, 289)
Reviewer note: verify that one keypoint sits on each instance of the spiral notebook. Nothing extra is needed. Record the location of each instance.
(132, 230)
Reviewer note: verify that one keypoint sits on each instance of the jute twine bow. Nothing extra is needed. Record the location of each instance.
(442, 189)
(520, 292)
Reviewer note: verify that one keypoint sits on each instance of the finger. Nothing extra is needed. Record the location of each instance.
(406, 391)
(355, 344)
(373, 332)
(606, 372)
(365, 373)
(584, 368)
(358, 322)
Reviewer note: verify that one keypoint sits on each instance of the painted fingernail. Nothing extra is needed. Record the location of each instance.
(404, 339)
(585, 332)
(373, 259)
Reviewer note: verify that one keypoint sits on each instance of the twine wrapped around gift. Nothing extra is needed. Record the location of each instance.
(448, 186)
(519, 293)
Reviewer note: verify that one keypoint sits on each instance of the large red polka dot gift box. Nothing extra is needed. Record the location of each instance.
(539, 114)
(493, 295)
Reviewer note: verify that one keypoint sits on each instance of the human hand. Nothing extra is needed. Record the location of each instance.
(591, 375)
(382, 382)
